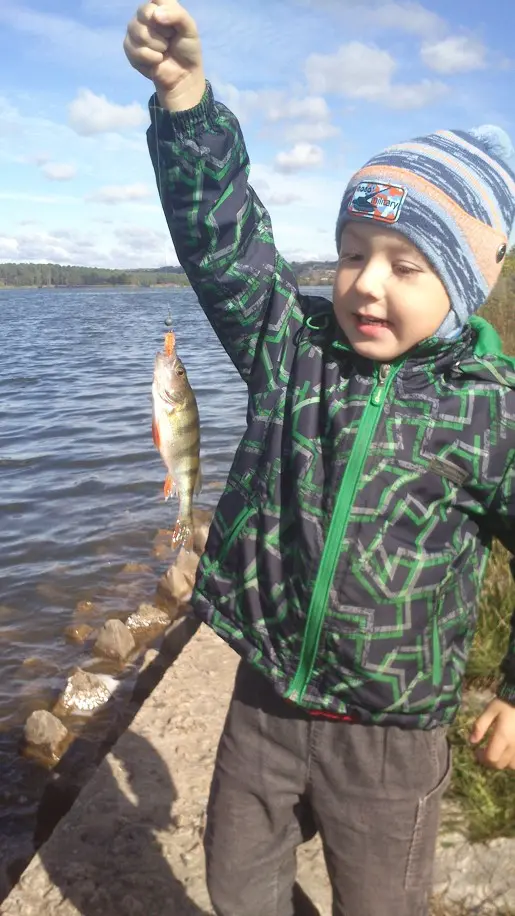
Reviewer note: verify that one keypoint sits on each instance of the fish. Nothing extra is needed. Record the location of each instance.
(176, 436)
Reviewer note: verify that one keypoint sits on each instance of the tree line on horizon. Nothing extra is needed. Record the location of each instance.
(59, 275)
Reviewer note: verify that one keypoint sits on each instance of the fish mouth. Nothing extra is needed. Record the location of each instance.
(166, 396)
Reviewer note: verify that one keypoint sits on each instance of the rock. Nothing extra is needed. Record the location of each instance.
(200, 537)
(202, 519)
(148, 617)
(131, 568)
(115, 641)
(187, 563)
(85, 692)
(85, 607)
(45, 736)
(78, 632)
(34, 667)
(151, 655)
(6, 613)
(177, 584)
(202, 516)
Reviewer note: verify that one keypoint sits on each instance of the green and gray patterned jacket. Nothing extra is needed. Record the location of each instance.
(348, 549)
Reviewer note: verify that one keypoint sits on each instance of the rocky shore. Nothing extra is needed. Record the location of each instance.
(120, 825)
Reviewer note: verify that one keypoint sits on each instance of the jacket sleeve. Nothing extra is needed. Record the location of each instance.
(503, 527)
(222, 234)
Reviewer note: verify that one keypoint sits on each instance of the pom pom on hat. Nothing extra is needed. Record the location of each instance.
(495, 140)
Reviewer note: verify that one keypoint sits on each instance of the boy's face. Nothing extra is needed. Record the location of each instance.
(387, 298)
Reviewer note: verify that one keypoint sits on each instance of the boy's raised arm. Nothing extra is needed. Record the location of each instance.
(221, 232)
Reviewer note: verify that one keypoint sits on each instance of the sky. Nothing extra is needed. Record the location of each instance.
(318, 86)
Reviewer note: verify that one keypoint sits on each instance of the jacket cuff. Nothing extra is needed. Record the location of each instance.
(506, 692)
(171, 123)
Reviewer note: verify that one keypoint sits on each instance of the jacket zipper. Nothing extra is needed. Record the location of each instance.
(336, 534)
(437, 654)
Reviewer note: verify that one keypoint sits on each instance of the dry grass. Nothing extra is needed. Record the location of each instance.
(500, 310)
(487, 796)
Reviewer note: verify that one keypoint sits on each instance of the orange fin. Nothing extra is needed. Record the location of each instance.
(169, 487)
(155, 434)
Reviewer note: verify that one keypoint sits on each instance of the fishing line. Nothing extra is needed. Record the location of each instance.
(168, 320)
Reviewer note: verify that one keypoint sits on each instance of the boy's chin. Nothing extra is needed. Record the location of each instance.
(374, 350)
(383, 351)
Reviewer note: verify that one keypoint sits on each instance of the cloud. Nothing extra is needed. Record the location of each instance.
(61, 37)
(8, 247)
(302, 156)
(39, 246)
(25, 197)
(377, 15)
(129, 246)
(306, 130)
(120, 194)
(277, 197)
(406, 17)
(360, 71)
(272, 104)
(58, 171)
(310, 108)
(136, 237)
(455, 54)
(416, 95)
(356, 70)
(276, 106)
(94, 114)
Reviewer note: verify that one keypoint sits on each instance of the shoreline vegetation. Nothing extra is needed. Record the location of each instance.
(57, 276)
(487, 796)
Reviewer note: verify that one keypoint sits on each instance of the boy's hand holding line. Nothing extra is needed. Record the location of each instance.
(162, 43)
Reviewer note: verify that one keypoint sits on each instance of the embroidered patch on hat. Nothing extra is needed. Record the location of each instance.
(382, 202)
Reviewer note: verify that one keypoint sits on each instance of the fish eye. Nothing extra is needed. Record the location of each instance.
(180, 371)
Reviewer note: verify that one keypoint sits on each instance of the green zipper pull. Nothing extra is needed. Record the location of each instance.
(380, 388)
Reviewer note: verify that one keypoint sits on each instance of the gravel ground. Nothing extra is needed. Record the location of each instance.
(132, 843)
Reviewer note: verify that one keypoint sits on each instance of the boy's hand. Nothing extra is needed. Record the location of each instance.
(163, 43)
(499, 754)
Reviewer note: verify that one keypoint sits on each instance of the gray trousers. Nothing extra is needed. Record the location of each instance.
(372, 792)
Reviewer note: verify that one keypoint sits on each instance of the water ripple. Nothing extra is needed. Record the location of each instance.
(80, 480)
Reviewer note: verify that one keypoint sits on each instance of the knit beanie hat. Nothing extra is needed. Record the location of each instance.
(452, 194)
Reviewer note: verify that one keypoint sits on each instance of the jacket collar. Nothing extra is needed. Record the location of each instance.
(477, 352)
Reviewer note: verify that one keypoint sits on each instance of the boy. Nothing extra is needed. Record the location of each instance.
(346, 555)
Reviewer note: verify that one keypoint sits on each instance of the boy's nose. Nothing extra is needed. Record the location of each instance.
(371, 280)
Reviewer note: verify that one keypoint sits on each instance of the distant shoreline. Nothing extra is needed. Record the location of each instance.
(102, 286)
(119, 286)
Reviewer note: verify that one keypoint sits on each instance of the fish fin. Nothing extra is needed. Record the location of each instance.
(198, 484)
(169, 487)
(155, 433)
(182, 535)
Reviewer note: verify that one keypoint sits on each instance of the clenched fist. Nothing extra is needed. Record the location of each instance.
(163, 43)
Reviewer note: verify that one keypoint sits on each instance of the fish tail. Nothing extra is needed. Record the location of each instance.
(182, 534)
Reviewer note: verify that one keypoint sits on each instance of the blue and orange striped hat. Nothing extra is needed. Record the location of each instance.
(452, 194)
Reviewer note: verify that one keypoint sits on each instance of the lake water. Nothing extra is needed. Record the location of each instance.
(81, 482)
